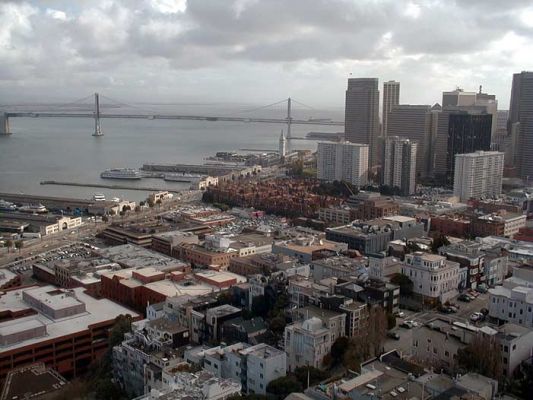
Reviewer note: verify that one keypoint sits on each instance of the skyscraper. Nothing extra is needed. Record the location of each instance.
(478, 175)
(343, 162)
(361, 116)
(391, 97)
(413, 122)
(459, 132)
(399, 164)
(521, 112)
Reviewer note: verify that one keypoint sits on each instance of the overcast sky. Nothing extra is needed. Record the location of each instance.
(259, 51)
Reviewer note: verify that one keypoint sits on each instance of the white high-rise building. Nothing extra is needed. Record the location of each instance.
(478, 174)
(399, 164)
(343, 162)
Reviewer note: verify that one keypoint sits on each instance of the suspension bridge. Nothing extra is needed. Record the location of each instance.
(97, 115)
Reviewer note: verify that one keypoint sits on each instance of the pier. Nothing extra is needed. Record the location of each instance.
(102, 186)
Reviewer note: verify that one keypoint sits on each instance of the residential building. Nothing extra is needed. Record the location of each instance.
(215, 318)
(498, 224)
(414, 122)
(478, 175)
(66, 329)
(337, 266)
(306, 343)
(469, 255)
(520, 111)
(374, 236)
(337, 215)
(391, 98)
(343, 161)
(334, 321)
(381, 267)
(361, 115)
(371, 205)
(399, 164)
(513, 301)
(433, 277)
(252, 366)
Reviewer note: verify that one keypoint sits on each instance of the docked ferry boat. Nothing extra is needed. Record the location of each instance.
(121, 173)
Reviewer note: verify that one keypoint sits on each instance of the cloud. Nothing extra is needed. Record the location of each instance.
(125, 46)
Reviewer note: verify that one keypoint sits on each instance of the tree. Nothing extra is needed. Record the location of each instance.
(112, 212)
(8, 244)
(483, 355)
(391, 321)
(19, 244)
(122, 325)
(338, 348)
(438, 242)
(150, 203)
(315, 375)
(405, 284)
(225, 298)
(284, 386)
(260, 306)
(277, 324)
(105, 218)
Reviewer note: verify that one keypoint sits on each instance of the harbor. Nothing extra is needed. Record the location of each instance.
(103, 186)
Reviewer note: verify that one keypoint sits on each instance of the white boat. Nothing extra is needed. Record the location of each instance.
(99, 197)
(115, 200)
(121, 173)
(7, 206)
(33, 209)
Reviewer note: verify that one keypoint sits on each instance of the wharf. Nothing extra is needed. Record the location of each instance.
(99, 185)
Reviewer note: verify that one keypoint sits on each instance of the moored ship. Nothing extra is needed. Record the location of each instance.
(33, 208)
(121, 173)
(7, 206)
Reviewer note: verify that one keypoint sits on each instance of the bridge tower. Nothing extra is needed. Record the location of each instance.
(97, 128)
(289, 122)
(4, 124)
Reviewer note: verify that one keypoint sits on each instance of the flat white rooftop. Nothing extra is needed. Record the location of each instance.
(97, 311)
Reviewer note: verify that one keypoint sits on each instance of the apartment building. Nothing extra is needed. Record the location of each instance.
(344, 161)
(306, 343)
(433, 277)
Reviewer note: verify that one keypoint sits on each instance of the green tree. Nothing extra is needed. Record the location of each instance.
(122, 326)
(391, 321)
(225, 298)
(338, 348)
(403, 281)
(150, 203)
(19, 244)
(315, 375)
(483, 355)
(284, 386)
(9, 244)
(105, 218)
(277, 324)
(260, 306)
(438, 242)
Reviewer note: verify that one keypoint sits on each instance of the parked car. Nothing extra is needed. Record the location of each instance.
(484, 311)
(400, 314)
(465, 298)
(406, 325)
(393, 335)
(477, 316)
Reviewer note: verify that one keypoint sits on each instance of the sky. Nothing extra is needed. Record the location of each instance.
(259, 51)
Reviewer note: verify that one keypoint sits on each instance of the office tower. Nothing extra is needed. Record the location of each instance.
(399, 164)
(414, 122)
(361, 115)
(500, 133)
(521, 112)
(391, 98)
(458, 97)
(458, 132)
(343, 162)
(478, 175)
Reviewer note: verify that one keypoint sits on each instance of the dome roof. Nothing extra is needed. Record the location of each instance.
(312, 324)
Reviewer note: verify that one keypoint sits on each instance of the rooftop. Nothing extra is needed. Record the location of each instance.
(132, 256)
(96, 311)
(30, 382)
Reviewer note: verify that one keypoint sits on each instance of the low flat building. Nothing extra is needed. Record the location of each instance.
(306, 248)
(9, 280)
(167, 242)
(264, 263)
(338, 266)
(132, 256)
(45, 224)
(68, 330)
(374, 236)
(34, 381)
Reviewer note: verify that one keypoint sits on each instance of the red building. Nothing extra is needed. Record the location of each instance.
(64, 329)
(450, 226)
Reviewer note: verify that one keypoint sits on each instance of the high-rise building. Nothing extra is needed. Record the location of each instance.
(521, 112)
(458, 132)
(458, 97)
(413, 122)
(343, 162)
(391, 98)
(478, 175)
(361, 115)
(399, 164)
